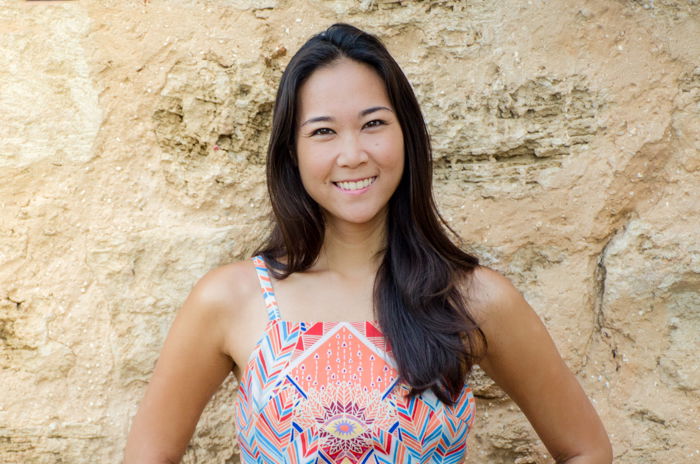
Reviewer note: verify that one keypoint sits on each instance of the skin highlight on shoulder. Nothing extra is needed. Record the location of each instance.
(227, 284)
(490, 294)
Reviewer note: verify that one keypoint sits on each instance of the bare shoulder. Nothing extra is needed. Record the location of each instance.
(223, 298)
(492, 296)
(231, 295)
(227, 286)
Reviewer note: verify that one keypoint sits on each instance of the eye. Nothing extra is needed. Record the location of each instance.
(375, 123)
(322, 131)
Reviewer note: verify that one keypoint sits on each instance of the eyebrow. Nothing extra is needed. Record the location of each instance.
(362, 113)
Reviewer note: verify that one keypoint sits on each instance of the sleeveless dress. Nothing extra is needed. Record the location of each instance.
(328, 393)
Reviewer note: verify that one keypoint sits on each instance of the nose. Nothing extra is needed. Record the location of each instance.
(351, 153)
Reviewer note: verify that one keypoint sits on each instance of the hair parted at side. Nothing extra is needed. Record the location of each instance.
(418, 297)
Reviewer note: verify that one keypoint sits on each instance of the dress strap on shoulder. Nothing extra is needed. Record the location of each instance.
(273, 312)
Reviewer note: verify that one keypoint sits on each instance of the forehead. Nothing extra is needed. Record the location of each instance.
(343, 86)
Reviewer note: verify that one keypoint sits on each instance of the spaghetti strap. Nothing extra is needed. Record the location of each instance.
(273, 312)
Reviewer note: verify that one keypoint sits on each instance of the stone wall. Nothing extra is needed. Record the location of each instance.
(132, 140)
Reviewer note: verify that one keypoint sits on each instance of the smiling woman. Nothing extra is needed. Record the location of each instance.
(371, 318)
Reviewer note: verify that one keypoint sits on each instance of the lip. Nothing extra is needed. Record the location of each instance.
(353, 180)
(355, 192)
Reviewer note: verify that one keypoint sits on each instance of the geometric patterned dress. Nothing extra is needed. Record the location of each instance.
(328, 393)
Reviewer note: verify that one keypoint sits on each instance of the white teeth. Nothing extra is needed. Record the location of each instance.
(356, 185)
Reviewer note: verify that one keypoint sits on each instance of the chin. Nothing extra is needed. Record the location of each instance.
(356, 220)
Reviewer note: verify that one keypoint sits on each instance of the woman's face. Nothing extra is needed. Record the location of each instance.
(349, 142)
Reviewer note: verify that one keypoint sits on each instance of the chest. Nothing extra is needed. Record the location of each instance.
(313, 297)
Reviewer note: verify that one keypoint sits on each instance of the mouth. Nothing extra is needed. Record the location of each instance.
(353, 185)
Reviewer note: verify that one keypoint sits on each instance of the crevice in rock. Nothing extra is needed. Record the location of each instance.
(9, 318)
(17, 303)
(601, 326)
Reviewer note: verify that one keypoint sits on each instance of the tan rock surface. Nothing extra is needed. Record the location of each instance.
(132, 140)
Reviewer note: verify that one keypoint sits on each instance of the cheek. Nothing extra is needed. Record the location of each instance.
(392, 153)
(312, 169)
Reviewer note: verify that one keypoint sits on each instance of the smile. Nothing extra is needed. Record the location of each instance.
(353, 185)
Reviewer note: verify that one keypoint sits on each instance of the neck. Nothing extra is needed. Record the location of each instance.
(353, 249)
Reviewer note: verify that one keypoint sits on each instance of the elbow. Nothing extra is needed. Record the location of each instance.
(607, 454)
(151, 460)
(602, 453)
(148, 457)
(143, 447)
(595, 450)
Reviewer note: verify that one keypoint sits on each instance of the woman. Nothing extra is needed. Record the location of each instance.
(372, 318)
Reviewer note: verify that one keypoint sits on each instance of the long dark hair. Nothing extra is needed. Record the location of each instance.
(419, 297)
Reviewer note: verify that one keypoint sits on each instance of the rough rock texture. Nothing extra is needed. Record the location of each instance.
(132, 140)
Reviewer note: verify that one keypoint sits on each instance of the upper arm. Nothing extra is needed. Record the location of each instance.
(523, 360)
(191, 366)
